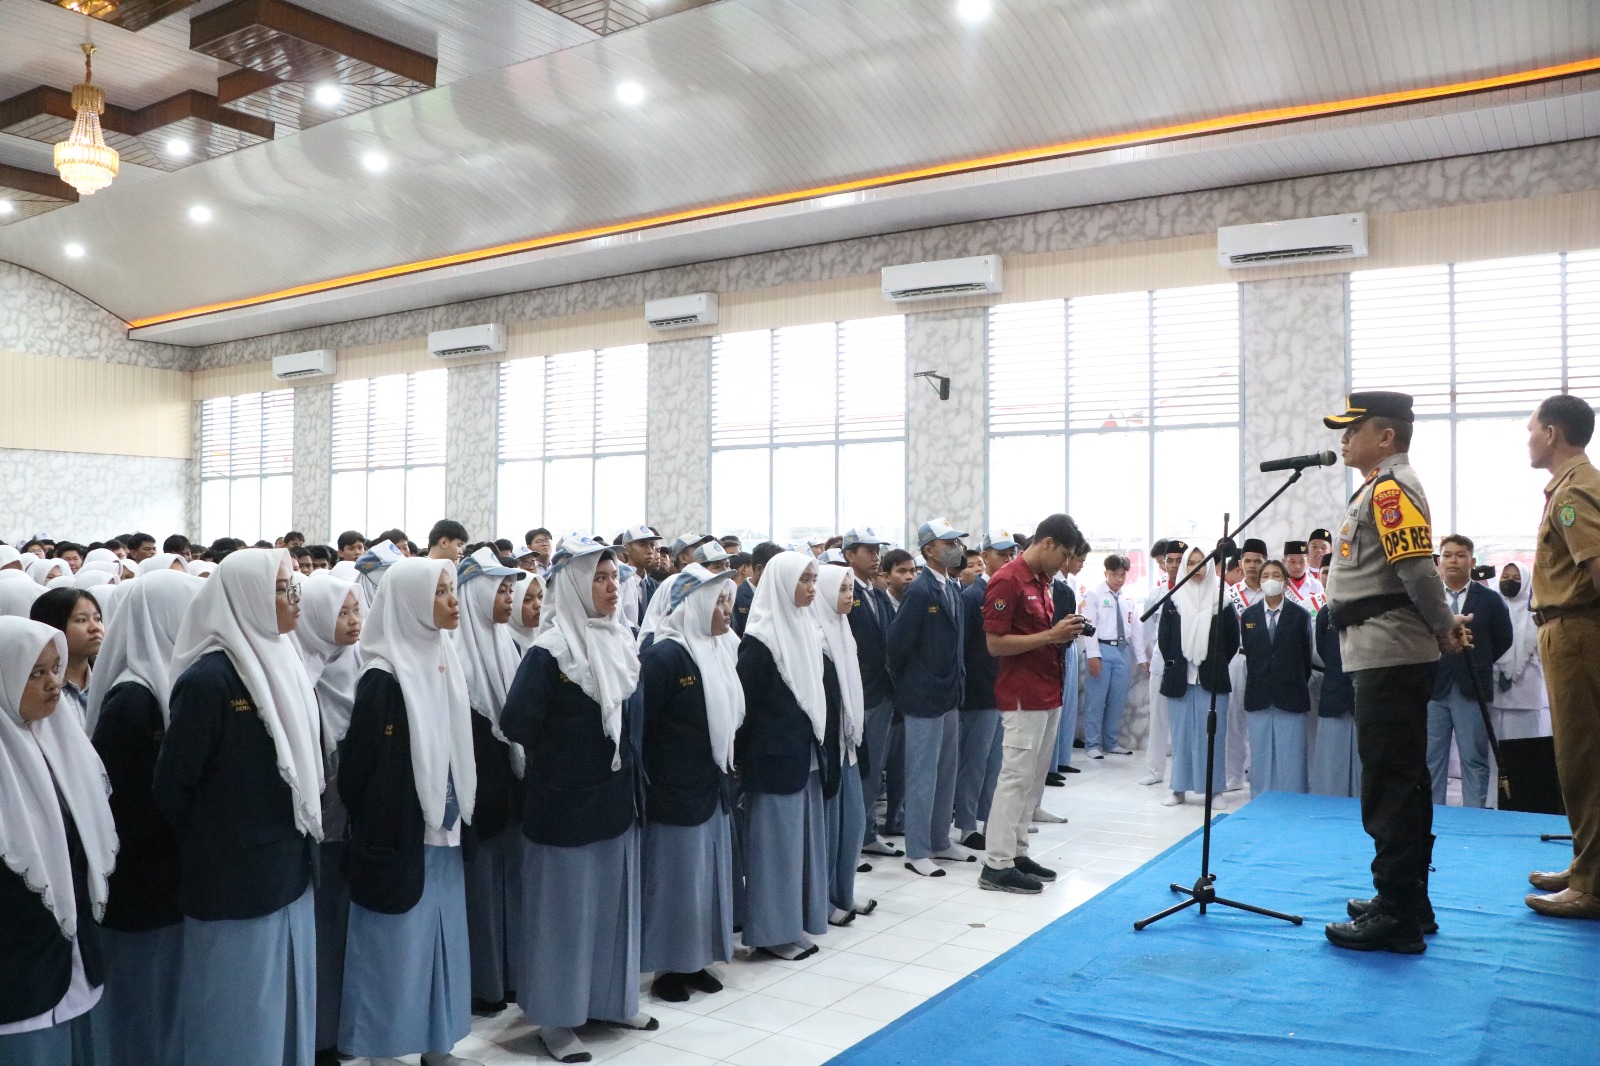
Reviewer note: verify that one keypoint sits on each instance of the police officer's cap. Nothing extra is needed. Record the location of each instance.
(1363, 405)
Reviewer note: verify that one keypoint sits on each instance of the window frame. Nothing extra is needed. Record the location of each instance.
(264, 398)
(414, 380)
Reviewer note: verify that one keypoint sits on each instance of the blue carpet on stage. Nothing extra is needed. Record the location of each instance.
(1498, 984)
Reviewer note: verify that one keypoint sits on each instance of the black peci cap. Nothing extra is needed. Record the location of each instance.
(1320, 534)
(1254, 544)
(1364, 405)
(1176, 546)
(1294, 547)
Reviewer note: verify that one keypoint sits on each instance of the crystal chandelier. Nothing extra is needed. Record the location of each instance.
(84, 159)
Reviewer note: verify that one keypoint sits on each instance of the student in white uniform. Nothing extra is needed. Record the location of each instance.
(1520, 706)
(58, 847)
(1167, 556)
(1302, 586)
(1115, 657)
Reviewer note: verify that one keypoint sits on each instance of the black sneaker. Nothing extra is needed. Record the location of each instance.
(1071, 770)
(974, 840)
(1430, 925)
(487, 1008)
(1009, 879)
(1034, 870)
(1054, 779)
(1378, 930)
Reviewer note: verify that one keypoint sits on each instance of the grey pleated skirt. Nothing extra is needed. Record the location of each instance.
(80, 1041)
(249, 988)
(1277, 750)
(786, 866)
(846, 819)
(580, 929)
(1335, 759)
(139, 1009)
(494, 914)
(687, 896)
(407, 983)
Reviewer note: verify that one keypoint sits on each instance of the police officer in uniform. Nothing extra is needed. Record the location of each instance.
(1387, 602)
(1566, 606)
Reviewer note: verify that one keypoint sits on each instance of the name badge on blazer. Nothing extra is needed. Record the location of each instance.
(933, 609)
(686, 682)
(1249, 625)
(242, 706)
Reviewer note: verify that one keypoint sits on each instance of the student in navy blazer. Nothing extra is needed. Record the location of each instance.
(1276, 636)
(925, 657)
(870, 612)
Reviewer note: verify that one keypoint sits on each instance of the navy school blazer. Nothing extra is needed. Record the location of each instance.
(1278, 667)
(925, 648)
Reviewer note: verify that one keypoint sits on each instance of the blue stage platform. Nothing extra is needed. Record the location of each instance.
(1498, 984)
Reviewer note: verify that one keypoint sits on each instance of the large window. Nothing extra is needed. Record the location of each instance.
(1478, 345)
(808, 430)
(1121, 410)
(246, 465)
(572, 442)
(388, 453)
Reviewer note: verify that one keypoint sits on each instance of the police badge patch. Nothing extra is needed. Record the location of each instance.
(999, 605)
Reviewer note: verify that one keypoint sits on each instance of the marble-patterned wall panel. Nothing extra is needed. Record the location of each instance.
(42, 317)
(1292, 339)
(678, 469)
(313, 449)
(1527, 172)
(83, 496)
(945, 469)
(471, 447)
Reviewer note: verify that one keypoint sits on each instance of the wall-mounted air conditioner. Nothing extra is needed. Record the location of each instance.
(979, 274)
(486, 339)
(1296, 240)
(678, 312)
(317, 364)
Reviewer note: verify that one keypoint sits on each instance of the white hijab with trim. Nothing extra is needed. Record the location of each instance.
(236, 613)
(332, 668)
(839, 644)
(596, 652)
(401, 639)
(37, 759)
(138, 647)
(790, 634)
(488, 656)
(1197, 606)
(689, 624)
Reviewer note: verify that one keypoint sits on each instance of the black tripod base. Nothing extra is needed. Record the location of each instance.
(1547, 837)
(1204, 893)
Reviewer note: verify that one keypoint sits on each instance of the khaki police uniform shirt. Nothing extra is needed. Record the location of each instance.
(1569, 537)
(1384, 546)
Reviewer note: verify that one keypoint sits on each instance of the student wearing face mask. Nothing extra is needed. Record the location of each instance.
(1519, 707)
(1275, 638)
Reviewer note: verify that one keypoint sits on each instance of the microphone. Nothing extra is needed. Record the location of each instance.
(1299, 462)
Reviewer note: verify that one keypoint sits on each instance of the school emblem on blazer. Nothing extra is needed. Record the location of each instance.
(242, 706)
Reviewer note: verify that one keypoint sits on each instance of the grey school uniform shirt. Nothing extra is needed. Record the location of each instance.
(1385, 546)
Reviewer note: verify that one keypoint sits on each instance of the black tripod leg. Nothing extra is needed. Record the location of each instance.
(1169, 912)
(1292, 918)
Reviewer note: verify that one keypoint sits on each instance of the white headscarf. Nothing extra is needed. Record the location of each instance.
(102, 556)
(839, 644)
(236, 613)
(163, 561)
(37, 759)
(16, 597)
(660, 604)
(596, 653)
(109, 597)
(689, 624)
(344, 569)
(88, 579)
(790, 634)
(1524, 633)
(488, 657)
(139, 646)
(400, 638)
(521, 634)
(44, 570)
(332, 668)
(201, 567)
(1197, 605)
(9, 555)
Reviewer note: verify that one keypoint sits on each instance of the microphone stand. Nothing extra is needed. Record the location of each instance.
(1204, 892)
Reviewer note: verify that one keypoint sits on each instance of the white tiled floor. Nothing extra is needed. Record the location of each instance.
(926, 934)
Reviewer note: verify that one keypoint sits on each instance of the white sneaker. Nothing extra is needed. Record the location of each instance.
(1042, 815)
(1033, 829)
(1094, 753)
(1150, 778)
(1174, 800)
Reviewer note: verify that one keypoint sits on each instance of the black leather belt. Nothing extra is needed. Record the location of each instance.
(1112, 643)
(1550, 614)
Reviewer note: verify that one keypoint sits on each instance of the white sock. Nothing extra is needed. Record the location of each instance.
(950, 851)
(639, 1021)
(925, 867)
(789, 952)
(563, 1044)
(1174, 800)
(1150, 778)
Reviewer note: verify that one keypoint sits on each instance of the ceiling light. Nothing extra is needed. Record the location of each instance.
(6, 207)
(178, 146)
(74, 251)
(85, 161)
(630, 93)
(973, 11)
(199, 213)
(327, 95)
(376, 162)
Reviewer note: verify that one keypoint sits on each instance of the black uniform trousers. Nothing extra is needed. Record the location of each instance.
(1396, 790)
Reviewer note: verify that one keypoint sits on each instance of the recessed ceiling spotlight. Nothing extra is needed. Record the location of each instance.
(178, 146)
(630, 93)
(199, 213)
(327, 95)
(6, 207)
(972, 11)
(74, 251)
(376, 162)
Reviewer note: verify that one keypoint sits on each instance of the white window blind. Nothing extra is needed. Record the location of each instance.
(246, 464)
(572, 433)
(389, 452)
(808, 428)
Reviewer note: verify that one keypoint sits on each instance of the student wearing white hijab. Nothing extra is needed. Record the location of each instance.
(407, 777)
(11, 558)
(845, 812)
(240, 779)
(782, 763)
(1196, 644)
(143, 926)
(16, 597)
(490, 592)
(328, 636)
(655, 612)
(201, 567)
(527, 601)
(45, 571)
(58, 848)
(163, 561)
(1518, 705)
(693, 705)
(575, 709)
